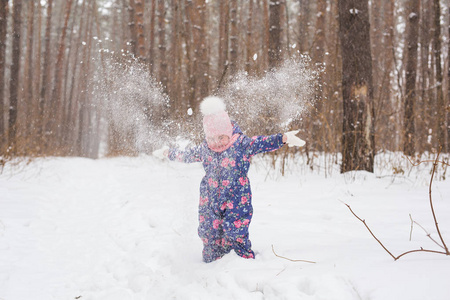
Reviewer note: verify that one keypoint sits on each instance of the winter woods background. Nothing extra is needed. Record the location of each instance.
(115, 77)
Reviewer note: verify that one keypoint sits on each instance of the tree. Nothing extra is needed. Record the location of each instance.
(3, 29)
(358, 141)
(274, 34)
(440, 107)
(14, 79)
(56, 100)
(139, 17)
(163, 72)
(411, 71)
(223, 38)
(45, 70)
(234, 37)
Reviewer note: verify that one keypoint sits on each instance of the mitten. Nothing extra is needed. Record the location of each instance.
(161, 153)
(292, 140)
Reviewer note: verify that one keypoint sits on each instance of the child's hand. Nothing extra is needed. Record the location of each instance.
(292, 140)
(161, 153)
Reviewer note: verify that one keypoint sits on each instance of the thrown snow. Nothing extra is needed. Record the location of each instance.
(125, 228)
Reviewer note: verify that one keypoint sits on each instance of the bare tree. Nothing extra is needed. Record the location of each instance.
(411, 71)
(28, 68)
(248, 57)
(130, 7)
(45, 71)
(274, 34)
(163, 71)
(3, 30)
(223, 38)
(358, 141)
(234, 36)
(14, 80)
(140, 36)
(55, 118)
(151, 46)
(440, 108)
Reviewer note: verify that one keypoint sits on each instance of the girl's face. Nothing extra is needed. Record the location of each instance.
(218, 141)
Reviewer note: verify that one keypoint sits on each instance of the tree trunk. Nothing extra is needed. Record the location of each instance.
(249, 44)
(358, 142)
(140, 36)
(130, 7)
(3, 29)
(45, 72)
(266, 36)
(303, 20)
(440, 107)
(425, 111)
(29, 70)
(56, 109)
(151, 44)
(198, 19)
(223, 39)
(274, 34)
(411, 71)
(176, 62)
(448, 88)
(14, 82)
(163, 72)
(234, 38)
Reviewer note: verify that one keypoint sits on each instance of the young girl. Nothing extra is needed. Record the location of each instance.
(225, 209)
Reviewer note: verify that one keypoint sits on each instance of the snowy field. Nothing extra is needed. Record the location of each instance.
(126, 228)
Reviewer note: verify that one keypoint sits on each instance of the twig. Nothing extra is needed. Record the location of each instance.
(294, 260)
(425, 161)
(373, 235)
(431, 202)
(412, 225)
(393, 256)
(427, 233)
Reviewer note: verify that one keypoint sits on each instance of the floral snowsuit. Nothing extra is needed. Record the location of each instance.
(225, 208)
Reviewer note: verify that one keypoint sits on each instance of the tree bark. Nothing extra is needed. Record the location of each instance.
(223, 39)
(3, 29)
(411, 71)
(14, 79)
(54, 126)
(151, 44)
(163, 72)
(358, 141)
(249, 44)
(234, 38)
(440, 107)
(45, 72)
(274, 34)
(140, 36)
(28, 107)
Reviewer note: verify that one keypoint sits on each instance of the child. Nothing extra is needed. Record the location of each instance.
(225, 209)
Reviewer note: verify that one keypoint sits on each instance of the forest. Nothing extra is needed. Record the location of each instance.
(97, 78)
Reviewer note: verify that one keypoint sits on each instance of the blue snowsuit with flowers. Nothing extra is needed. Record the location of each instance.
(225, 208)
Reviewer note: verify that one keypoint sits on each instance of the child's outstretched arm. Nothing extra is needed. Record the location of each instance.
(189, 155)
(261, 144)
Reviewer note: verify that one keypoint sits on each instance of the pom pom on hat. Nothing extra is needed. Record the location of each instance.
(216, 121)
(212, 105)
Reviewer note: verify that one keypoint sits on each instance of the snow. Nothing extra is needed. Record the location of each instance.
(125, 228)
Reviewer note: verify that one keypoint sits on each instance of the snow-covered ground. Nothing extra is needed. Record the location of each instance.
(125, 228)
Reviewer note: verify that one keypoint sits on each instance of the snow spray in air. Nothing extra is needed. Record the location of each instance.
(274, 102)
(134, 103)
(137, 108)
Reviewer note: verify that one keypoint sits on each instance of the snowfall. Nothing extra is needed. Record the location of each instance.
(126, 228)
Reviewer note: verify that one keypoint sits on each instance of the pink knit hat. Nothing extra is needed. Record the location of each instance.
(215, 119)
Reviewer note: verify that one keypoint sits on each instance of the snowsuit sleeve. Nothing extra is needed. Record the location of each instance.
(261, 144)
(190, 155)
